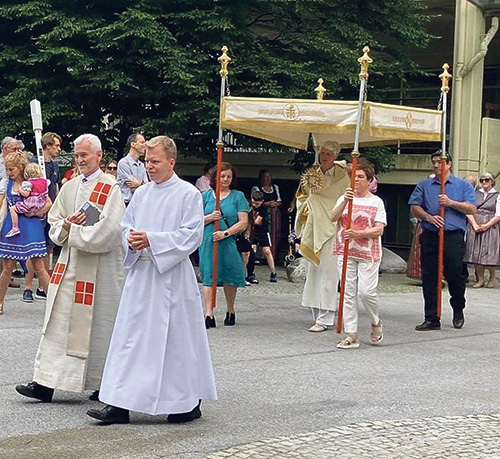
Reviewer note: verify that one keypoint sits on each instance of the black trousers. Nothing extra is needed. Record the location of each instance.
(251, 264)
(453, 255)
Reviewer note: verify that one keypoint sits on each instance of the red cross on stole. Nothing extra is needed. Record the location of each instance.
(57, 273)
(84, 292)
(100, 193)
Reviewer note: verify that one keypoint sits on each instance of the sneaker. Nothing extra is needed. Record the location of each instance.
(40, 294)
(247, 283)
(273, 277)
(13, 232)
(18, 273)
(252, 280)
(28, 296)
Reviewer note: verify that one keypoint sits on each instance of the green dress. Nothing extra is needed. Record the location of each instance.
(230, 269)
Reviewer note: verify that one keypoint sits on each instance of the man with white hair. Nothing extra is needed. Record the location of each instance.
(317, 232)
(86, 283)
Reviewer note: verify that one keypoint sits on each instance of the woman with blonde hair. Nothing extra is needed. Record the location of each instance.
(30, 242)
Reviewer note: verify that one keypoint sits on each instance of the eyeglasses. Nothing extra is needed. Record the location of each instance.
(482, 180)
(113, 168)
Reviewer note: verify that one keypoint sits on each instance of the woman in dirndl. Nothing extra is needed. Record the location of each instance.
(272, 200)
(30, 243)
(483, 233)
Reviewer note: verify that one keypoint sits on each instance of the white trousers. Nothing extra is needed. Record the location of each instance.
(320, 289)
(323, 317)
(360, 287)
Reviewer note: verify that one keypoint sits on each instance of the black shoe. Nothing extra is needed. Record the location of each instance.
(210, 322)
(195, 413)
(428, 325)
(28, 296)
(35, 390)
(94, 396)
(458, 319)
(230, 319)
(252, 280)
(40, 294)
(110, 415)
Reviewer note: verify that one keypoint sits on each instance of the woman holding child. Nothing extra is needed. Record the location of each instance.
(29, 242)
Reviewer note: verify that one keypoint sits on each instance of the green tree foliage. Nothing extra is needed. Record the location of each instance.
(115, 66)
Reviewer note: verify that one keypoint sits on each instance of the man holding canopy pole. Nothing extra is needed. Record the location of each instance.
(458, 201)
(317, 233)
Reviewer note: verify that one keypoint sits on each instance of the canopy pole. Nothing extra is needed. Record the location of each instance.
(320, 92)
(445, 76)
(224, 60)
(363, 77)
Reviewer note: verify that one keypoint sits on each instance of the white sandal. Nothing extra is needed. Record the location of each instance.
(377, 334)
(351, 341)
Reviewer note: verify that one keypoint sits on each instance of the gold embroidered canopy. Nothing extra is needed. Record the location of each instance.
(291, 121)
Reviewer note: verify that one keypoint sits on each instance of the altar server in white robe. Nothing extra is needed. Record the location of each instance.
(159, 360)
(86, 283)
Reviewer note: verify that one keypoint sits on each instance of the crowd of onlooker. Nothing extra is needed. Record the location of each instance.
(249, 227)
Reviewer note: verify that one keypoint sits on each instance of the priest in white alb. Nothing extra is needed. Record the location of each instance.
(86, 282)
(317, 231)
(159, 360)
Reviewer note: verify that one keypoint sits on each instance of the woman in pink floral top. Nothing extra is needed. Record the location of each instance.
(365, 253)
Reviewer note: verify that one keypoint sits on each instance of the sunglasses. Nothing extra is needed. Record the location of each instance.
(113, 168)
(482, 180)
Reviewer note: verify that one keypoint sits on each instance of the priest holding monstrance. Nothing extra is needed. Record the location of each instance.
(320, 187)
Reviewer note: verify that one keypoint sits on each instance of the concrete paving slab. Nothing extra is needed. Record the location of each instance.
(286, 392)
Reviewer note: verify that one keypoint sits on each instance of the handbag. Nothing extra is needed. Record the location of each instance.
(243, 244)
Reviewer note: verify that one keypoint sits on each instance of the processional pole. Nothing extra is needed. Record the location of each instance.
(36, 118)
(320, 93)
(224, 60)
(445, 76)
(363, 77)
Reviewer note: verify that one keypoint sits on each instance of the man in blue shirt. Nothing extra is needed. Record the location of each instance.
(459, 200)
(131, 171)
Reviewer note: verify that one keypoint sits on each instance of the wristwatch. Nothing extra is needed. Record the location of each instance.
(226, 233)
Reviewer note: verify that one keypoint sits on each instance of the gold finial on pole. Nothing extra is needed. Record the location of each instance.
(320, 89)
(224, 61)
(364, 60)
(445, 77)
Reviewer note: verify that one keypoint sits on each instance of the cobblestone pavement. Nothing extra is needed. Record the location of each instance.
(388, 283)
(451, 437)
